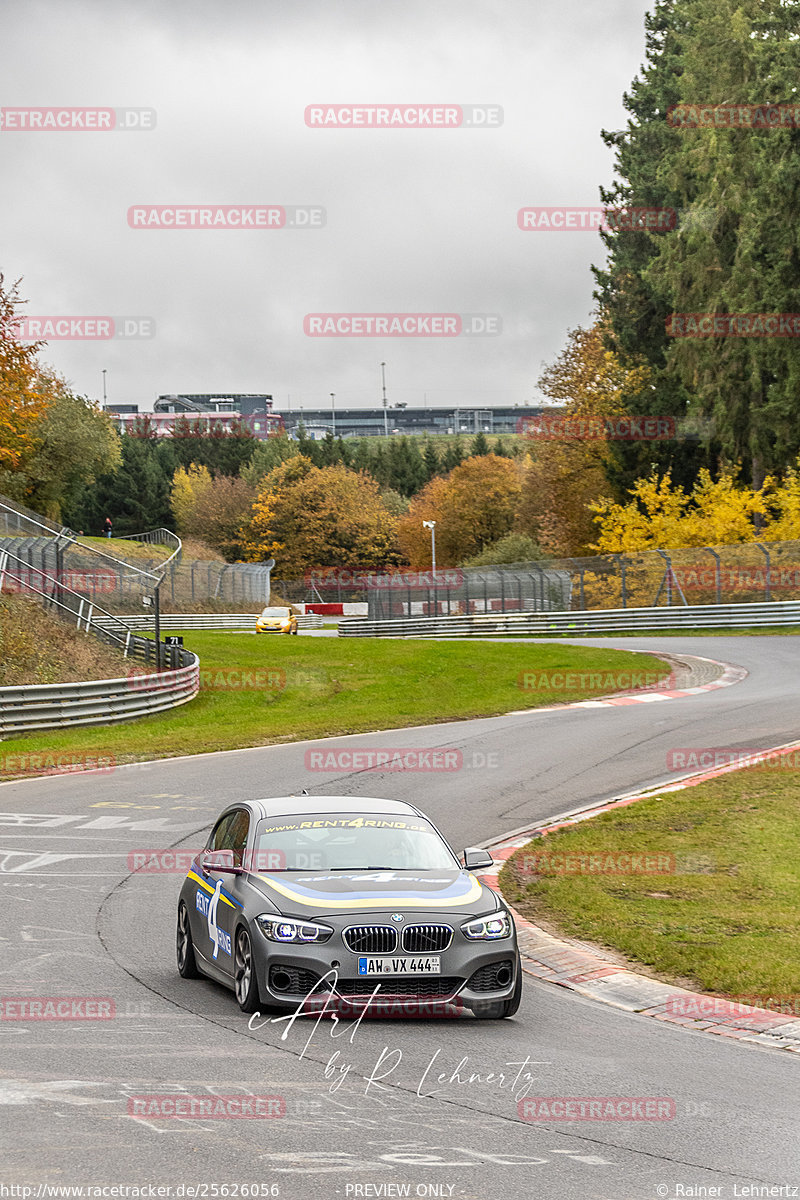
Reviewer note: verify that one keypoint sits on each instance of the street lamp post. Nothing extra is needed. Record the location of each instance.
(104, 387)
(385, 413)
(432, 526)
(333, 413)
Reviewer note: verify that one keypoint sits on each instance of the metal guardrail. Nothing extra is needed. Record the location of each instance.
(97, 702)
(615, 620)
(209, 621)
(153, 537)
(51, 706)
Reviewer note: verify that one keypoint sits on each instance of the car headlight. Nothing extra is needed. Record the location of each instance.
(286, 929)
(490, 928)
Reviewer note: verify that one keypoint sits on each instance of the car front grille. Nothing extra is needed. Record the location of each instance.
(424, 986)
(492, 978)
(370, 939)
(426, 939)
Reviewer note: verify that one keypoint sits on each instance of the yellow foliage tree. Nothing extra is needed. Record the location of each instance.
(566, 470)
(784, 523)
(188, 485)
(24, 390)
(715, 512)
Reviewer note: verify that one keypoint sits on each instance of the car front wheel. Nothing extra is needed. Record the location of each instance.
(244, 973)
(187, 964)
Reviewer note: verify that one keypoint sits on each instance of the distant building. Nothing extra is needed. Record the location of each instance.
(208, 410)
(212, 409)
(244, 403)
(398, 419)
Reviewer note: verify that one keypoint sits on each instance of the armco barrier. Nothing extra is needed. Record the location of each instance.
(97, 702)
(206, 621)
(614, 620)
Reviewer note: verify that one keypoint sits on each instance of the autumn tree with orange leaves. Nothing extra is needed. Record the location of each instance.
(23, 392)
(307, 516)
(474, 506)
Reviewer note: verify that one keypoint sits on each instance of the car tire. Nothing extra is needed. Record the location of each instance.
(244, 973)
(295, 632)
(184, 946)
(504, 1008)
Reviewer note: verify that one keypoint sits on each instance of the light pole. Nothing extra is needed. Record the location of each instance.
(104, 387)
(432, 526)
(333, 413)
(385, 413)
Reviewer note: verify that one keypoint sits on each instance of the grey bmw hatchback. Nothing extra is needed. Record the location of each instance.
(330, 903)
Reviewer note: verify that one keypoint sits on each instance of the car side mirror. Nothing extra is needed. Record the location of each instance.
(218, 860)
(476, 859)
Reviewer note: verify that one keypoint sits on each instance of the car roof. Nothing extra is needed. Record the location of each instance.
(301, 805)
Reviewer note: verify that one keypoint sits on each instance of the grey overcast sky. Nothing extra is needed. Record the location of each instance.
(417, 220)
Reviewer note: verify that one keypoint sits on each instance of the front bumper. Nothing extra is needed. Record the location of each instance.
(325, 976)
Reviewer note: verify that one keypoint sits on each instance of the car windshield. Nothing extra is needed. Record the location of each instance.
(275, 612)
(351, 841)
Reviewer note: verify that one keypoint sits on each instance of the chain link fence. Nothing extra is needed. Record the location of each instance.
(745, 573)
(57, 560)
(750, 572)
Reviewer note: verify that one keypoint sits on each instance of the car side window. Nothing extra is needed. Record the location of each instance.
(231, 834)
(219, 834)
(237, 835)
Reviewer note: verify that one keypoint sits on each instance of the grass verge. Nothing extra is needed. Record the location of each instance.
(313, 687)
(724, 917)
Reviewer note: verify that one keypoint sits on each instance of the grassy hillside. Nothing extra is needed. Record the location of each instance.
(36, 648)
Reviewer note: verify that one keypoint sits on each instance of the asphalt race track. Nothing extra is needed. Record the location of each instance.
(382, 1108)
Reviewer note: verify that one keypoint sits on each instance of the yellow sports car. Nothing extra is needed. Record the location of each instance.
(277, 620)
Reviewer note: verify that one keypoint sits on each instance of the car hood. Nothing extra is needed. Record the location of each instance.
(307, 893)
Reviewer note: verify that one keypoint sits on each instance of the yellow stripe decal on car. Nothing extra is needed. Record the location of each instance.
(332, 901)
(209, 889)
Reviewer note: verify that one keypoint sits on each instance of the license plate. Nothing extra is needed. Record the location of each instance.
(399, 966)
